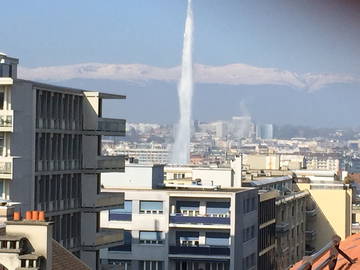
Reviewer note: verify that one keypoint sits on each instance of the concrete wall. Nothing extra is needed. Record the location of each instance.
(334, 212)
(241, 249)
(135, 176)
(214, 176)
(23, 144)
(38, 234)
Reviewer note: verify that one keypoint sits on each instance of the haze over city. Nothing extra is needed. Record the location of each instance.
(299, 57)
(180, 135)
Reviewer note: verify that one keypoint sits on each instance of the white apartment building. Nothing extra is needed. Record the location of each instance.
(50, 158)
(196, 227)
(323, 162)
(147, 155)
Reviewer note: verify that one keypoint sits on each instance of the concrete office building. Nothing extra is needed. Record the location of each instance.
(51, 157)
(187, 227)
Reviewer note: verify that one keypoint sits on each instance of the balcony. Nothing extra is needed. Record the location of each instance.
(282, 227)
(310, 235)
(106, 164)
(309, 251)
(104, 238)
(103, 201)
(206, 220)
(6, 80)
(201, 250)
(6, 164)
(355, 228)
(356, 208)
(6, 120)
(120, 216)
(107, 127)
(311, 212)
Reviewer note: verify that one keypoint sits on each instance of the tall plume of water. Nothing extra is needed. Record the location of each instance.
(181, 149)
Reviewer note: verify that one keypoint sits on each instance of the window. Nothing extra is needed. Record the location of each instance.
(151, 238)
(188, 208)
(187, 238)
(249, 261)
(217, 239)
(151, 265)
(126, 247)
(249, 205)
(218, 208)
(151, 207)
(248, 233)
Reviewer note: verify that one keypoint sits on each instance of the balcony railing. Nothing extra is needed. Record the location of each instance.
(103, 238)
(181, 219)
(282, 227)
(355, 227)
(310, 235)
(6, 120)
(104, 200)
(311, 212)
(120, 216)
(111, 162)
(105, 163)
(6, 164)
(201, 250)
(112, 125)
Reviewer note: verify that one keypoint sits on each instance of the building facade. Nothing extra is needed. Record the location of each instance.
(51, 157)
(182, 228)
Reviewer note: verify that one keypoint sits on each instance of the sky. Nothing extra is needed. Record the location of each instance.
(306, 47)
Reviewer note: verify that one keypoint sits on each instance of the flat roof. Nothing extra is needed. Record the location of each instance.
(184, 189)
(269, 181)
(72, 90)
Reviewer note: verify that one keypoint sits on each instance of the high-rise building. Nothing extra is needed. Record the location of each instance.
(265, 131)
(50, 158)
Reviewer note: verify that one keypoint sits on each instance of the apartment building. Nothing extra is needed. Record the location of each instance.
(323, 162)
(330, 209)
(183, 227)
(291, 226)
(51, 159)
(27, 244)
(266, 234)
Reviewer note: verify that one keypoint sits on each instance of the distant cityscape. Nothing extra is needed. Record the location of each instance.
(218, 142)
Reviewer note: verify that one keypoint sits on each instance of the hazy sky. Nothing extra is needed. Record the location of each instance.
(302, 36)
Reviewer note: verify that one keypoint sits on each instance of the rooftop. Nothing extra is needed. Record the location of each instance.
(350, 246)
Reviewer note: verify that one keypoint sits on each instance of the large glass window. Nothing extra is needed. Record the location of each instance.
(218, 208)
(190, 208)
(127, 209)
(151, 237)
(187, 238)
(217, 239)
(151, 207)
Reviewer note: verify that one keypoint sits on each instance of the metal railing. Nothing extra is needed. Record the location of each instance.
(112, 125)
(330, 261)
(182, 219)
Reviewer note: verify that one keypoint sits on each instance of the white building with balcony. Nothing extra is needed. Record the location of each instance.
(196, 227)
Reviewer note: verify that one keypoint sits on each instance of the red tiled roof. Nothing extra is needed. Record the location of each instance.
(351, 247)
(63, 259)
